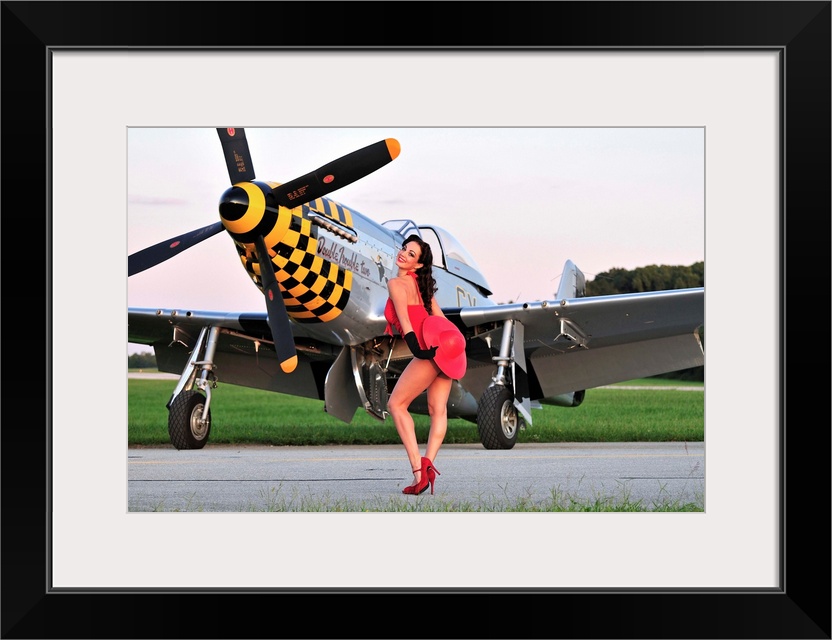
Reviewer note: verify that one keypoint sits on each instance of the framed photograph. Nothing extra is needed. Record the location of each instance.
(755, 75)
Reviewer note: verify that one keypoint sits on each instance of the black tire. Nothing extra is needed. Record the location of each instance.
(498, 422)
(185, 425)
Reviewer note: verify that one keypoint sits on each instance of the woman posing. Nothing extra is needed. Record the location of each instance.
(411, 302)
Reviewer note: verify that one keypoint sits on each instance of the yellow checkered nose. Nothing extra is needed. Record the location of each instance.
(313, 288)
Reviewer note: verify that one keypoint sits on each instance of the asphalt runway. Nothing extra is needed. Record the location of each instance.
(233, 478)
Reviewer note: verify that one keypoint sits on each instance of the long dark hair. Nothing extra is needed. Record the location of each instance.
(424, 275)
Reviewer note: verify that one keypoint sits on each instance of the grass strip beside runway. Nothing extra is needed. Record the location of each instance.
(250, 416)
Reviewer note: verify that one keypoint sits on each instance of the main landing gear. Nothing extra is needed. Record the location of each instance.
(504, 407)
(189, 412)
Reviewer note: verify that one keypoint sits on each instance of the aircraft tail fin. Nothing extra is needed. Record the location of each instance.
(572, 282)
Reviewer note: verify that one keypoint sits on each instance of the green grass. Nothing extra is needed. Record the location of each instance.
(250, 416)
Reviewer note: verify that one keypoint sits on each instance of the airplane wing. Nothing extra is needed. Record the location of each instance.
(569, 345)
(579, 343)
(242, 346)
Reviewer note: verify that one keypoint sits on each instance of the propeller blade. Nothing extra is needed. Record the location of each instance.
(237, 155)
(151, 256)
(336, 174)
(284, 341)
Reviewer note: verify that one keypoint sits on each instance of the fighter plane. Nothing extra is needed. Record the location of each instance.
(322, 269)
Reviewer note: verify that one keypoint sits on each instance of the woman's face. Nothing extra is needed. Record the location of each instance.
(409, 256)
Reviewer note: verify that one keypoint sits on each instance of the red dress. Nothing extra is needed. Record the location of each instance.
(417, 314)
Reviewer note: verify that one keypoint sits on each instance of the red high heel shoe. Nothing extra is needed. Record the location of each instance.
(422, 485)
(429, 471)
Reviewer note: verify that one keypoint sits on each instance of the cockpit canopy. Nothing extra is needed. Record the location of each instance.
(448, 253)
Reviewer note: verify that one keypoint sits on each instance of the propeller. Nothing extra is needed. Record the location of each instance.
(336, 174)
(316, 184)
(151, 256)
(284, 342)
(237, 156)
(331, 176)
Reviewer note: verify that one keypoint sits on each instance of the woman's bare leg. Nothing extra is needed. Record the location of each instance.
(416, 377)
(438, 393)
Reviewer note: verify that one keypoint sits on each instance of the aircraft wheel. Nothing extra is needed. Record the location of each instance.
(186, 428)
(497, 420)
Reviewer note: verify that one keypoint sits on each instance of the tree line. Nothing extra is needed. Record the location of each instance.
(651, 278)
(143, 360)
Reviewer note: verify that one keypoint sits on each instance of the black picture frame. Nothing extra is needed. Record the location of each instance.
(800, 608)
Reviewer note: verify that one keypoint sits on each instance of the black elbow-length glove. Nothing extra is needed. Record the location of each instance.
(418, 352)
